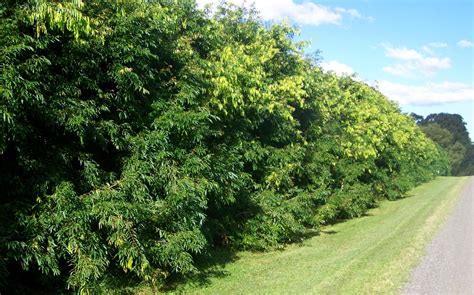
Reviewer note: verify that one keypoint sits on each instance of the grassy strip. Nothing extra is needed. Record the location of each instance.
(372, 254)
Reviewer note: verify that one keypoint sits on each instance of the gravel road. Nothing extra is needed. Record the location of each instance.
(448, 266)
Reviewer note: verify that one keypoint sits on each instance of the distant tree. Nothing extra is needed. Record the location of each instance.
(467, 167)
(416, 117)
(438, 134)
(452, 122)
(449, 131)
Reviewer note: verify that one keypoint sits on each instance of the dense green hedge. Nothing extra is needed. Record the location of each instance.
(136, 134)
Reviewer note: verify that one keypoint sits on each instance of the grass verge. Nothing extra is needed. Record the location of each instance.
(371, 254)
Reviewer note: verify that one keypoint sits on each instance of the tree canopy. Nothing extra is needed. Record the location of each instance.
(449, 132)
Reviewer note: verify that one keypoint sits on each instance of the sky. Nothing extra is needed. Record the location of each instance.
(418, 53)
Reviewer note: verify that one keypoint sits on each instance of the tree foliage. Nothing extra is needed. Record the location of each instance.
(450, 133)
(136, 134)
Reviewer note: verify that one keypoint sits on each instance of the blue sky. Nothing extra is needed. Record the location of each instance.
(418, 53)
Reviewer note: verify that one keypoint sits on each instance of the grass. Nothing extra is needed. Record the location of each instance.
(371, 254)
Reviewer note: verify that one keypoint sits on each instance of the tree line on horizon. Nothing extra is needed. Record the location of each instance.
(450, 133)
(137, 135)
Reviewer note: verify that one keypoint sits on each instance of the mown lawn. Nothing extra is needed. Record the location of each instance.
(371, 254)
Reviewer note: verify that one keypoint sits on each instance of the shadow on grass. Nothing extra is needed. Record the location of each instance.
(210, 265)
(308, 234)
(329, 232)
(405, 195)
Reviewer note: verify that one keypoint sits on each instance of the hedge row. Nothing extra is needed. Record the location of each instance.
(136, 134)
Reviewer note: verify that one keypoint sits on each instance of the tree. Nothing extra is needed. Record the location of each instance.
(449, 131)
(454, 123)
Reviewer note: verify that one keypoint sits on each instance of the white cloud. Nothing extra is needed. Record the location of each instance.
(465, 44)
(306, 13)
(429, 48)
(412, 63)
(402, 53)
(351, 12)
(437, 45)
(428, 94)
(432, 64)
(403, 70)
(338, 68)
(354, 13)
